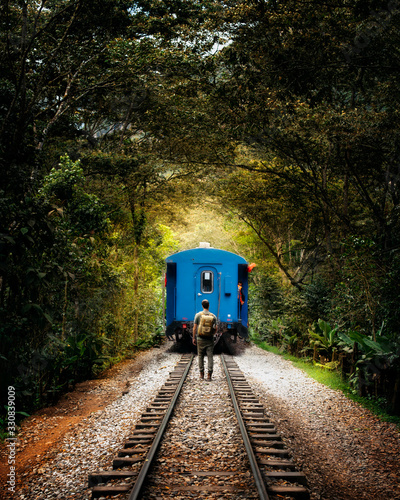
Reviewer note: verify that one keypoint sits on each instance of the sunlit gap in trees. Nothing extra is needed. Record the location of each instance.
(199, 44)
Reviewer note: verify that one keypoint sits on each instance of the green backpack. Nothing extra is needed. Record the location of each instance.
(206, 325)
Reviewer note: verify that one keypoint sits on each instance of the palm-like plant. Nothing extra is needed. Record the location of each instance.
(323, 338)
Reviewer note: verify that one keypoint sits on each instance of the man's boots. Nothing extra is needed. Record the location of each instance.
(209, 376)
(202, 375)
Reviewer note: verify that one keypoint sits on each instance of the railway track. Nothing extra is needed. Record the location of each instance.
(219, 444)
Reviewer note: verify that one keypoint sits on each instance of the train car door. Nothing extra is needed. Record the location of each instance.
(207, 287)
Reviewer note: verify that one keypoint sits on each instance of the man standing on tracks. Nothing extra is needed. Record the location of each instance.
(205, 324)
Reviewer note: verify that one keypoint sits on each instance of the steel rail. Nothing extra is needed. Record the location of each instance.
(134, 495)
(262, 492)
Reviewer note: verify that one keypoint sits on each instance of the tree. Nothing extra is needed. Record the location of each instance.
(311, 124)
(52, 56)
(87, 78)
(309, 95)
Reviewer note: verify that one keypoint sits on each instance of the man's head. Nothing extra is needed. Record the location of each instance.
(205, 304)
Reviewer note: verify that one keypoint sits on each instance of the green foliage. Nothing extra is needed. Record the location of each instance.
(318, 297)
(80, 212)
(63, 182)
(324, 338)
(82, 352)
(315, 174)
(88, 214)
(266, 300)
(151, 339)
(380, 346)
(333, 379)
(376, 358)
(52, 281)
(82, 252)
(304, 154)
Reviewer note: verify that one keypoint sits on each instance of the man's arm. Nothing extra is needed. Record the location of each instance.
(194, 332)
(195, 324)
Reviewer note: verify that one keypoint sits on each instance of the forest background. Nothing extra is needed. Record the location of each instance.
(133, 129)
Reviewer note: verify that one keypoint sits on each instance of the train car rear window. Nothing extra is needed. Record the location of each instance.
(207, 282)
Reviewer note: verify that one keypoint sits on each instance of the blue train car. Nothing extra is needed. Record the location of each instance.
(206, 273)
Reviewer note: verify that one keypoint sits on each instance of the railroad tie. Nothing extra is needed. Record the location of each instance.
(280, 474)
(138, 448)
(274, 472)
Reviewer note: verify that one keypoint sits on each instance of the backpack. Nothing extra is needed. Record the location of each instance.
(206, 328)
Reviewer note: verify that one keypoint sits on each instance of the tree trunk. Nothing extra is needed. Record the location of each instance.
(64, 313)
(135, 293)
(396, 396)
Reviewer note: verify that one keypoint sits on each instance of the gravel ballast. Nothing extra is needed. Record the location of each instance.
(345, 451)
(203, 436)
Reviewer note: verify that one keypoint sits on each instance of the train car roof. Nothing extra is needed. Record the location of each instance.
(205, 255)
